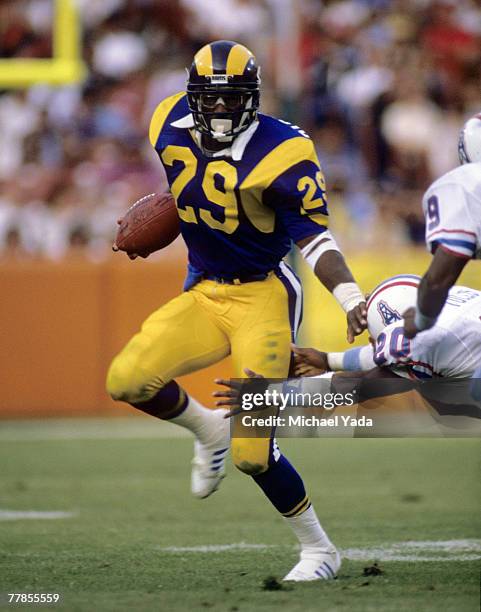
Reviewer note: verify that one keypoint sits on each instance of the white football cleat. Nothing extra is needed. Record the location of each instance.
(208, 464)
(315, 564)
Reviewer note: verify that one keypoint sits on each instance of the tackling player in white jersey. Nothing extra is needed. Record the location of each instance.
(452, 208)
(451, 349)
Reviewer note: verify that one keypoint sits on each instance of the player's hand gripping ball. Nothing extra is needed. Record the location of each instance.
(150, 224)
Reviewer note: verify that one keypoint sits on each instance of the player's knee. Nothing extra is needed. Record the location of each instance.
(129, 384)
(250, 468)
(247, 458)
(118, 383)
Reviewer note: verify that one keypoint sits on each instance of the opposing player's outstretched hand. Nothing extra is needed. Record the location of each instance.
(309, 362)
(410, 329)
(231, 396)
(356, 321)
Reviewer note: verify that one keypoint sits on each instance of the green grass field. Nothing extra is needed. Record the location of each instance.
(126, 546)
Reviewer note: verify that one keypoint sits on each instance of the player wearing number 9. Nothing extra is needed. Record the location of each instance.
(452, 207)
(246, 185)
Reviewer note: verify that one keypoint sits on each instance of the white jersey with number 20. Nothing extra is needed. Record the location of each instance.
(452, 348)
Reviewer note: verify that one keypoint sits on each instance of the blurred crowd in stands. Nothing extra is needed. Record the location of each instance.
(385, 87)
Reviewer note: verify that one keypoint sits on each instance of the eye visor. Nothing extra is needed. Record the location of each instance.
(231, 101)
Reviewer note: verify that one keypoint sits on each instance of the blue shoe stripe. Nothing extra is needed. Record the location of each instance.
(329, 568)
(323, 575)
(218, 460)
(222, 450)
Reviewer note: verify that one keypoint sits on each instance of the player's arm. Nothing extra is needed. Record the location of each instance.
(364, 385)
(367, 385)
(390, 357)
(331, 269)
(434, 287)
(298, 195)
(311, 362)
(451, 237)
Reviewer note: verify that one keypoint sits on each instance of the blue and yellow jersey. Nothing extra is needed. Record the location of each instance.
(239, 216)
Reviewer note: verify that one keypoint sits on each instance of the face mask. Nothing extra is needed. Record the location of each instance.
(220, 127)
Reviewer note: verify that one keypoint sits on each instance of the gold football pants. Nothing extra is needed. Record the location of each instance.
(254, 322)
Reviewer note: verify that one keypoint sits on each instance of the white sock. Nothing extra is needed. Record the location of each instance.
(201, 421)
(309, 532)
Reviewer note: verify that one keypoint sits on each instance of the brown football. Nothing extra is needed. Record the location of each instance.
(150, 224)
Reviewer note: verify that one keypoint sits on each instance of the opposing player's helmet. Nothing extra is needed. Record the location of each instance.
(223, 72)
(388, 301)
(469, 144)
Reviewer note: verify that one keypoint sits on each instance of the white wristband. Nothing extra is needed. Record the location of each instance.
(317, 247)
(348, 295)
(422, 321)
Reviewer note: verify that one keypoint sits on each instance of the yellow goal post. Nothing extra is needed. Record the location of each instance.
(65, 66)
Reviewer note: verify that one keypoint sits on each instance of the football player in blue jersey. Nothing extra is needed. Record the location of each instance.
(246, 186)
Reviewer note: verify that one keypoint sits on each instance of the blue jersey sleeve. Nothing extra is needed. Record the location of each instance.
(298, 197)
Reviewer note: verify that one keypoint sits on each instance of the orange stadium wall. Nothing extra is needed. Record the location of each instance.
(62, 323)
